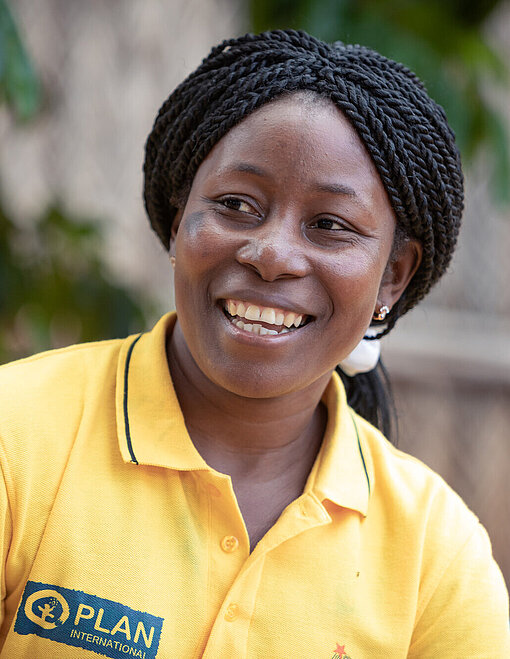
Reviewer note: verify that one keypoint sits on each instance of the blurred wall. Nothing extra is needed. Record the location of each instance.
(106, 67)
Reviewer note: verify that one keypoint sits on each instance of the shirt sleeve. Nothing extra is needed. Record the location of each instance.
(467, 614)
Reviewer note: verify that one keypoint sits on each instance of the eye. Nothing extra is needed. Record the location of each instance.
(332, 232)
(237, 204)
(329, 224)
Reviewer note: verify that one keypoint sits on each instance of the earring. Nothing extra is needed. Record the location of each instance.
(382, 313)
(172, 261)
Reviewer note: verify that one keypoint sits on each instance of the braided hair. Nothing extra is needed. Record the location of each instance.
(404, 131)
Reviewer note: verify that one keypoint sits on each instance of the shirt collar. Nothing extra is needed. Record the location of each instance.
(151, 428)
(343, 471)
(150, 424)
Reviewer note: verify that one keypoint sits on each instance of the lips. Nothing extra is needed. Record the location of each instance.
(265, 321)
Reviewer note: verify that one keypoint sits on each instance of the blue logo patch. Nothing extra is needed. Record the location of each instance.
(86, 621)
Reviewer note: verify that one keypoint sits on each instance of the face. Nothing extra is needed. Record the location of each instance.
(282, 251)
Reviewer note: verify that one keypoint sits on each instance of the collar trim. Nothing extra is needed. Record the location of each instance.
(361, 452)
(125, 401)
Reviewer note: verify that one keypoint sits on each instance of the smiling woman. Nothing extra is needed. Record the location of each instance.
(309, 195)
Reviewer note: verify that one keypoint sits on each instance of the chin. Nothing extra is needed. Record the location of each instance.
(261, 382)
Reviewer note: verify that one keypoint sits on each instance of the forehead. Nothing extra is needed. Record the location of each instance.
(300, 120)
(301, 137)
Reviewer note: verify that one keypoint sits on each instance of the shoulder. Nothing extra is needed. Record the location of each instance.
(406, 485)
(440, 546)
(43, 397)
(418, 512)
(32, 384)
(44, 364)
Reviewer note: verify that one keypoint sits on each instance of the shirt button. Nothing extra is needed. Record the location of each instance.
(232, 612)
(229, 543)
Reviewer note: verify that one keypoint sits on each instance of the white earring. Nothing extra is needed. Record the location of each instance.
(172, 261)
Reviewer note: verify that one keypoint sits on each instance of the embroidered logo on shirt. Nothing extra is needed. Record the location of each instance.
(339, 652)
(86, 621)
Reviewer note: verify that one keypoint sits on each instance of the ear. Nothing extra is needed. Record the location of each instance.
(173, 231)
(399, 271)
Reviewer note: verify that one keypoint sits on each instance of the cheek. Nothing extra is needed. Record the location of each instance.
(356, 275)
(200, 246)
(353, 290)
(197, 242)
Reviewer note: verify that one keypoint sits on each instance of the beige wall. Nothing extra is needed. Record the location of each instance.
(106, 66)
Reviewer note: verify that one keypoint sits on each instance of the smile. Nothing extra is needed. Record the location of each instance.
(264, 320)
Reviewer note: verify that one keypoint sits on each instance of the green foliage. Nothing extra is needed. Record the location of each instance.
(56, 288)
(442, 40)
(19, 86)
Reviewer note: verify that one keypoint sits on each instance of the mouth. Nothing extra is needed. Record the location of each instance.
(264, 321)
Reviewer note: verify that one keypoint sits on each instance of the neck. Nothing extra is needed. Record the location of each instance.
(246, 436)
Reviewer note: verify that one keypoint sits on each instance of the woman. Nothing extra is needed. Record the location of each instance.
(204, 490)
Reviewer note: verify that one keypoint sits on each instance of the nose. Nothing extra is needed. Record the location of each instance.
(274, 251)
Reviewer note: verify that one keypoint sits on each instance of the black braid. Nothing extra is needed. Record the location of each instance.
(371, 396)
(404, 131)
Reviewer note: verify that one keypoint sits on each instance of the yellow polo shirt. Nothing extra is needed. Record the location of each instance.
(119, 540)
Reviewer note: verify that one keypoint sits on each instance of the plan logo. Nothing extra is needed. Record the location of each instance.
(87, 621)
(46, 601)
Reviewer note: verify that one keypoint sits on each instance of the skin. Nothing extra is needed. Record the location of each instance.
(286, 211)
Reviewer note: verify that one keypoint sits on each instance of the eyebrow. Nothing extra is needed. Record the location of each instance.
(246, 168)
(337, 188)
(334, 188)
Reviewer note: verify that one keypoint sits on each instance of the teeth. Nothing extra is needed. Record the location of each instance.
(289, 319)
(268, 316)
(256, 329)
(252, 313)
(276, 317)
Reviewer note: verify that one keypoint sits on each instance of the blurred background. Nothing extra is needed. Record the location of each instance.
(80, 84)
